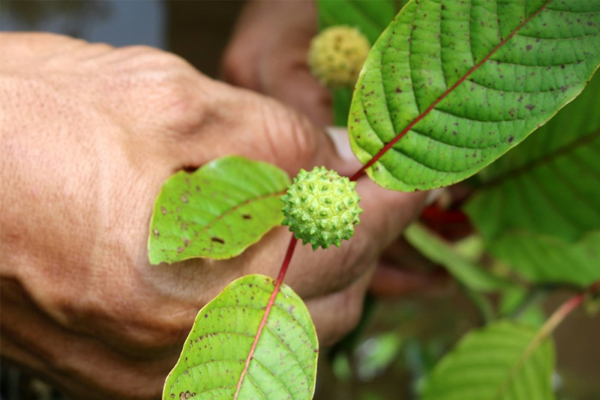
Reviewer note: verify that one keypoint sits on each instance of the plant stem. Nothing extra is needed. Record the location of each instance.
(560, 314)
(286, 261)
(282, 271)
(566, 308)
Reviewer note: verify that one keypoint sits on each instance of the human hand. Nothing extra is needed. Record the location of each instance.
(268, 54)
(89, 133)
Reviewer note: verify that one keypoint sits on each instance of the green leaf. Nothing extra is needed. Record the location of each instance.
(464, 82)
(215, 353)
(467, 273)
(550, 185)
(376, 355)
(523, 306)
(369, 17)
(503, 361)
(217, 211)
(544, 259)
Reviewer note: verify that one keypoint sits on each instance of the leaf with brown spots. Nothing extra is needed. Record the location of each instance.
(491, 71)
(216, 211)
(214, 362)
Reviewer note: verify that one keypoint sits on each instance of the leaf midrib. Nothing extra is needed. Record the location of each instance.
(220, 217)
(535, 343)
(431, 107)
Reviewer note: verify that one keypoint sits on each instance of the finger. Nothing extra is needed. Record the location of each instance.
(393, 281)
(237, 121)
(337, 313)
(79, 364)
(288, 79)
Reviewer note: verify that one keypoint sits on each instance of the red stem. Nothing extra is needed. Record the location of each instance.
(561, 313)
(567, 308)
(282, 271)
(388, 146)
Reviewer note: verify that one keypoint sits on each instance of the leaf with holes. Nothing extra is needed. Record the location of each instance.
(216, 362)
(217, 211)
(370, 18)
(503, 361)
(463, 82)
(550, 185)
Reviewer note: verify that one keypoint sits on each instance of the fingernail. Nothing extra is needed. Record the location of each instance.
(339, 137)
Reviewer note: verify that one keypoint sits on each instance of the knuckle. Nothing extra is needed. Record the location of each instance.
(168, 89)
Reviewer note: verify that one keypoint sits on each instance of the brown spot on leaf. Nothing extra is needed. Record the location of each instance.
(156, 233)
(184, 199)
(217, 239)
(247, 216)
(185, 396)
(530, 107)
(529, 47)
(163, 210)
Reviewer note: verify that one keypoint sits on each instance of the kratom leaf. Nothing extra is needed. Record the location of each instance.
(214, 356)
(370, 18)
(545, 259)
(467, 273)
(550, 185)
(503, 361)
(217, 211)
(464, 81)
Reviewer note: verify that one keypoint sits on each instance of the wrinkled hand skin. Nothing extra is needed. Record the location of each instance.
(88, 135)
(268, 53)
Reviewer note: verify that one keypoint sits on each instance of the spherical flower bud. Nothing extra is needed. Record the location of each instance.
(336, 56)
(321, 207)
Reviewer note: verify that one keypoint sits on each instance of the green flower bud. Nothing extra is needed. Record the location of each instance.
(321, 207)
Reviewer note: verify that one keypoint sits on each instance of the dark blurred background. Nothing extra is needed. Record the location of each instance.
(198, 30)
(405, 337)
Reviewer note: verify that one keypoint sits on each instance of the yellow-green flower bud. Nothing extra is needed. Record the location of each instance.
(336, 56)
